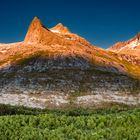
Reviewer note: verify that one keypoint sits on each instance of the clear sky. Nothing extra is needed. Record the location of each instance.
(101, 22)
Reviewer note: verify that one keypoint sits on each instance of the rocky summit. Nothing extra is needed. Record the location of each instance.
(57, 68)
(130, 47)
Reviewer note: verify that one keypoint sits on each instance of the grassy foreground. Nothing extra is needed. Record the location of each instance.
(19, 123)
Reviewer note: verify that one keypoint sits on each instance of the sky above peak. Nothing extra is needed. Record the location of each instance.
(101, 22)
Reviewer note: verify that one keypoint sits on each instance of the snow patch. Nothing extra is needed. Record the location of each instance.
(55, 31)
(132, 45)
(3, 51)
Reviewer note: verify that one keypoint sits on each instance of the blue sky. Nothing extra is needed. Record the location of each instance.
(101, 22)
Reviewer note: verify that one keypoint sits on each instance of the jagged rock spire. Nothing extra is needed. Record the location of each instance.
(36, 21)
(39, 34)
(35, 31)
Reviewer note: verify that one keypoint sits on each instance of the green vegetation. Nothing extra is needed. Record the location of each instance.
(107, 124)
(99, 72)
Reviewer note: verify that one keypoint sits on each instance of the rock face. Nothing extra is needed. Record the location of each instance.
(54, 67)
(60, 28)
(129, 51)
(39, 34)
(130, 47)
(35, 31)
(68, 88)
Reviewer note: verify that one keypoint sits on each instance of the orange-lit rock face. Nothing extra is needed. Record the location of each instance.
(34, 31)
(58, 39)
(64, 32)
(60, 28)
(39, 34)
(131, 47)
(59, 43)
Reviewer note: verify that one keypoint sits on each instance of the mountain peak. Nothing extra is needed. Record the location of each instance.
(60, 25)
(39, 34)
(36, 22)
(35, 31)
(60, 28)
(131, 46)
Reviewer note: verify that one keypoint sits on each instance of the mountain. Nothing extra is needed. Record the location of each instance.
(61, 49)
(60, 44)
(57, 68)
(130, 47)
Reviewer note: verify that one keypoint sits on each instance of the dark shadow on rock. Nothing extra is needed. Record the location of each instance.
(39, 74)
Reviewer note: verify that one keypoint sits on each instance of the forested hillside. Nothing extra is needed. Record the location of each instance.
(115, 124)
